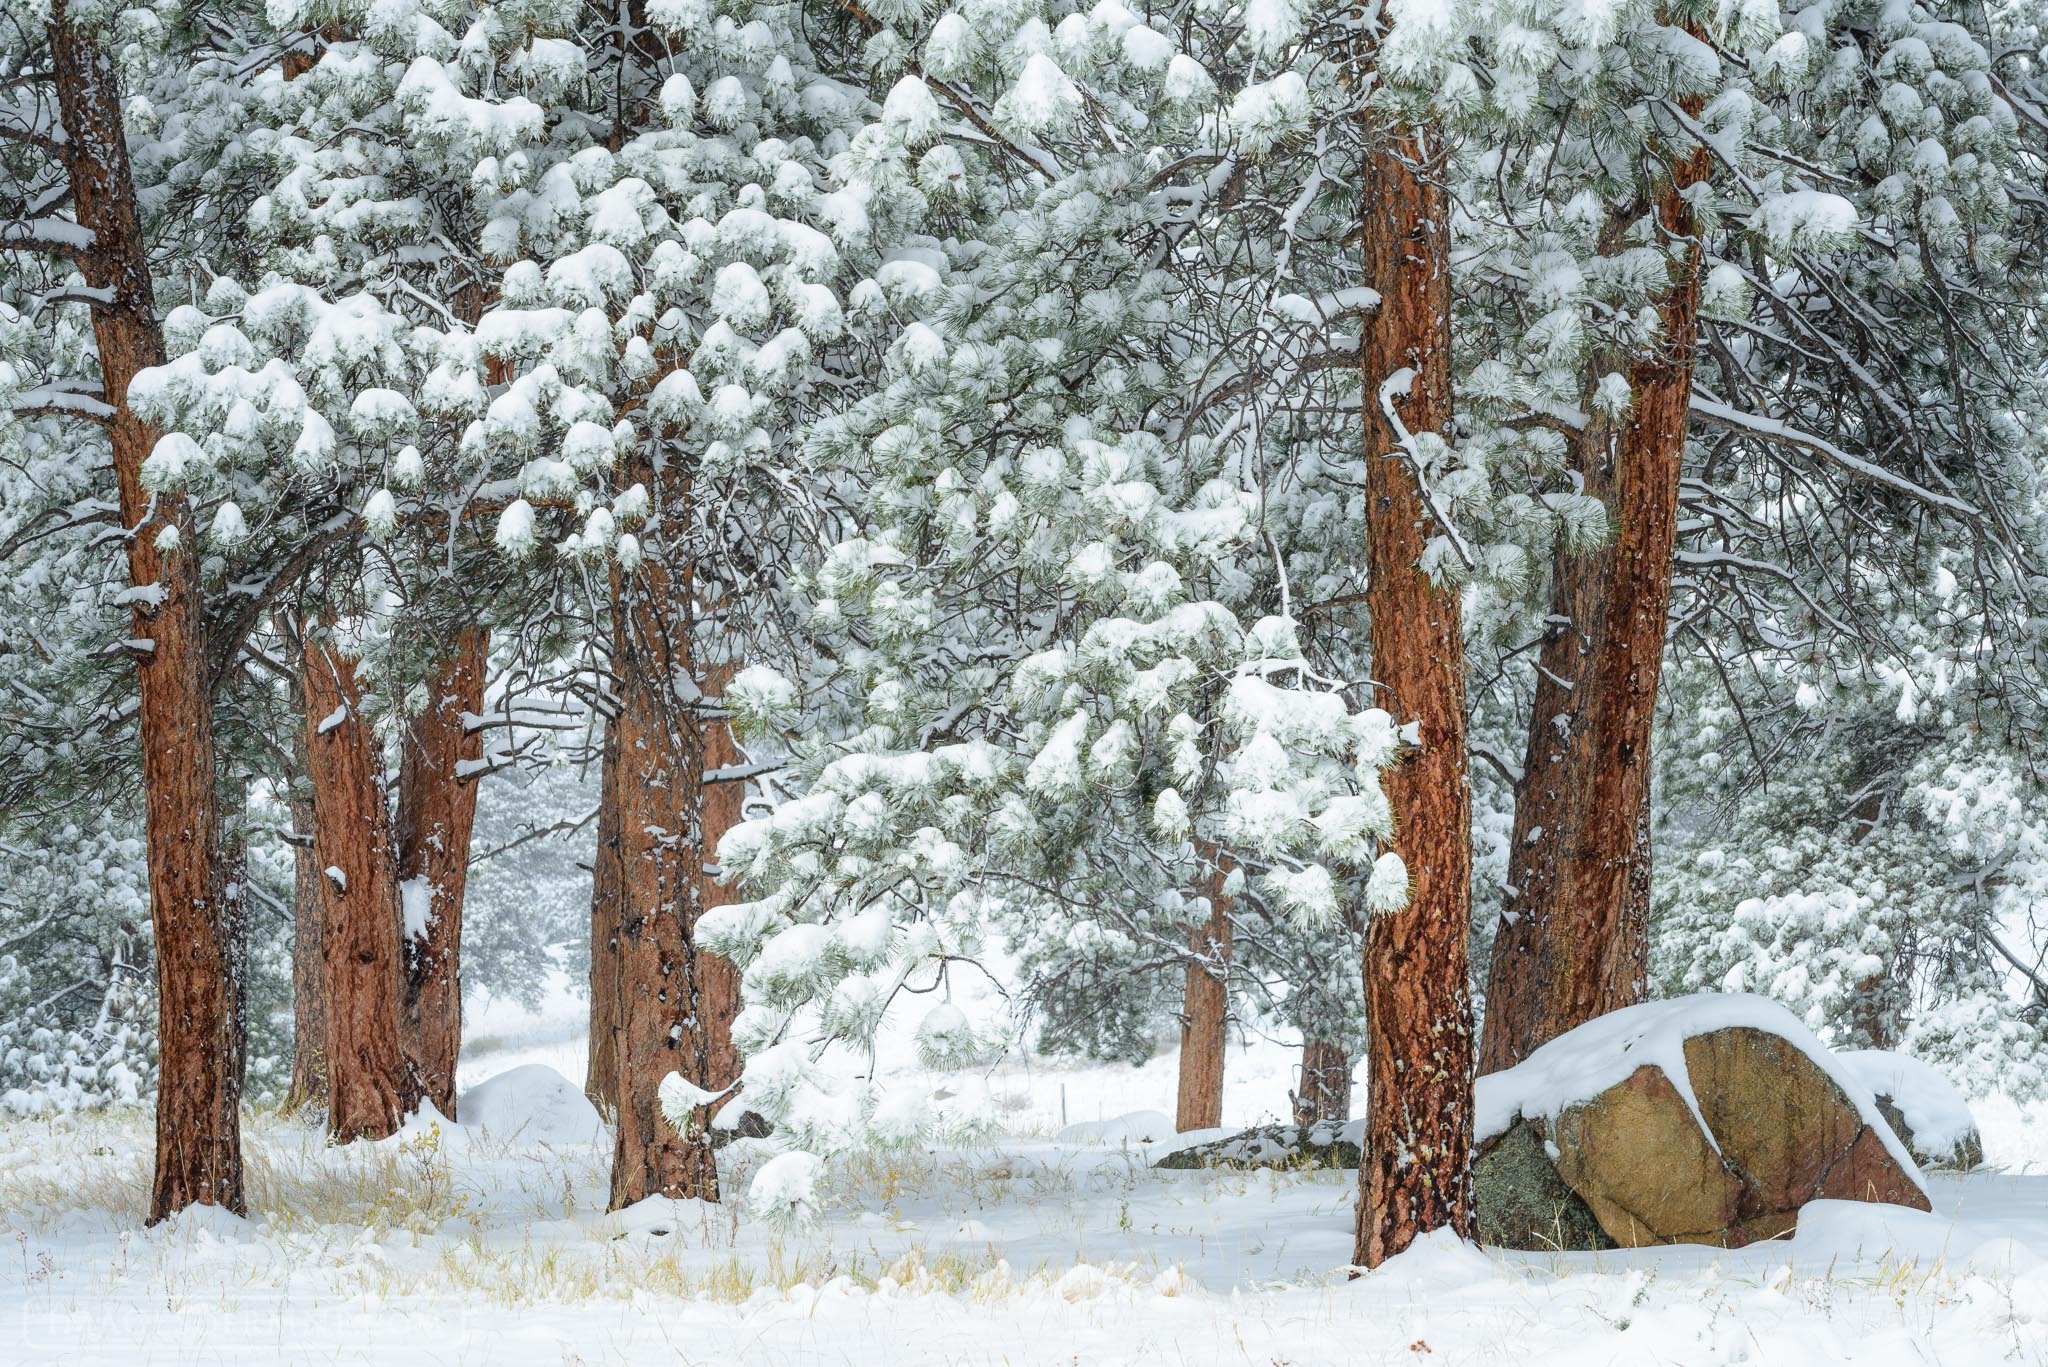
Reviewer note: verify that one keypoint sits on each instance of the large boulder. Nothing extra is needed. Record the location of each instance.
(1708, 1119)
(1924, 1109)
(1325, 1144)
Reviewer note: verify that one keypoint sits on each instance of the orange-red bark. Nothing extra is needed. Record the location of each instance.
(1205, 1004)
(198, 1131)
(436, 812)
(1574, 939)
(370, 1085)
(1416, 1170)
(665, 985)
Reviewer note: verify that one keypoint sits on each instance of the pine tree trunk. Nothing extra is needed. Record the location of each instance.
(370, 1086)
(309, 971)
(309, 913)
(198, 1124)
(661, 827)
(1325, 1084)
(232, 802)
(1205, 1004)
(436, 810)
(1416, 1170)
(601, 1067)
(1574, 938)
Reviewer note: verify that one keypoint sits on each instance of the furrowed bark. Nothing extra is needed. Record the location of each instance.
(436, 811)
(370, 1086)
(601, 1066)
(1325, 1084)
(661, 829)
(309, 970)
(234, 891)
(1416, 1169)
(1205, 1005)
(1574, 939)
(309, 913)
(198, 1131)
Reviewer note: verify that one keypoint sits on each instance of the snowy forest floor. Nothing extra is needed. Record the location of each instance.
(474, 1246)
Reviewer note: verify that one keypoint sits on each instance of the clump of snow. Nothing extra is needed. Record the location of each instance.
(784, 1193)
(416, 906)
(1932, 1106)
(1387, 890)
(1581, 1064)
(427, 1123)
(681, 1098)
(515, 529)
(1805, 220)
(532, 1104)
(911, 110)
(1042, 96)
(946, 1038)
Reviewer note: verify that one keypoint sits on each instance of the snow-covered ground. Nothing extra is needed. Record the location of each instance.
(468, 1244)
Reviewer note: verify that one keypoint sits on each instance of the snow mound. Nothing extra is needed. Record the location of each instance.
(660, 1216)
(1436, 1261)
(1134, 1127)
(1585, 1062)
(425, 1120)
(1934, 1110)
(1845, 1233)
(532, 1104)
(199, 1225)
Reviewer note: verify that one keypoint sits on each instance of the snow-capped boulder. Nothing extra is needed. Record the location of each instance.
(1924, 1109)
(531, 1104)
(1325, 1144)
(1709, 1119)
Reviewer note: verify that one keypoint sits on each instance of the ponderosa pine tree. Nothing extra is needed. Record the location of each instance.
(73, 150)
(601, 1058)
(1573, 939)
(309, 918)
(371, 1088)
(341, 427)
(662, 995)
(1416, 1172)
(1819, 322)
(1205, 1005)
(1061, 655)
(663, 291)
(1850, 822)
(440, 755)
(1324, 1090)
